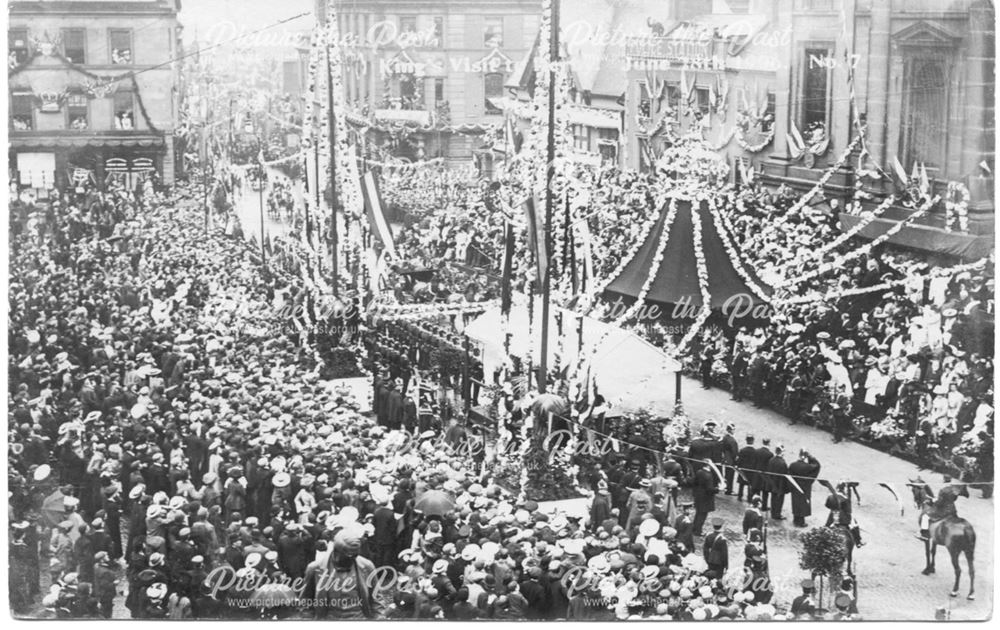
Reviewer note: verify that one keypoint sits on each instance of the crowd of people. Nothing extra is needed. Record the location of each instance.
(172, 454)
(911, 363)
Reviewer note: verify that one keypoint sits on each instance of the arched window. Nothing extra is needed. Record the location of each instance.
(925, 119)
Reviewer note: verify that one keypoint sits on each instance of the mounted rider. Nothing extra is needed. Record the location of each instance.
(943, 507)
(842, 512)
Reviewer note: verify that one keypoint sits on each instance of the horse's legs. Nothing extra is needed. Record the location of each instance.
(928, 558)
(958, 570)
(972, 573)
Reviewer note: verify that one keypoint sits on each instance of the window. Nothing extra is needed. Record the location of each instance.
(769, 113)
(492, 88)
(814, 5)
(493, 31)
(17, 46)
(407, 24)
(121, 47)
(607, 144)
(673, 96)
(438, 91)
(814, 87)
(76, 108)
(75, 45)
(22, 108)
(644, 104)
(925, 108)
(739, 6)
(438, 32)
(702, 99)
(581, 138)
(407, 91)
(124, 111)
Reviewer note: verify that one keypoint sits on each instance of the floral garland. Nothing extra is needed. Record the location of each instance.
(601, 286)
(956, 206)
(734, 256)
(702, 270)
(861, 251)
(885, 286)
(867, 218)
(661, 249)
(820, 184)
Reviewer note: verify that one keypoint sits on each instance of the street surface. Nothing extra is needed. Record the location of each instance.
(888, 566)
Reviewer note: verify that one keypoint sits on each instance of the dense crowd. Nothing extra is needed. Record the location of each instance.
(911, 363)
(171, 443)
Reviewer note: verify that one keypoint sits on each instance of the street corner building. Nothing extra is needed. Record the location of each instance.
(94, 91)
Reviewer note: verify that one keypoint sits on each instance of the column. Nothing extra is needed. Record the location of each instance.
(877, 81)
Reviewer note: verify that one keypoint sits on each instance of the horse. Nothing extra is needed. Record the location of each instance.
(946, 529)
(848, 537)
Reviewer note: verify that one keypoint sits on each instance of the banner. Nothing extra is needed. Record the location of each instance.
(376, 216)
(508, 264)
(536, 236)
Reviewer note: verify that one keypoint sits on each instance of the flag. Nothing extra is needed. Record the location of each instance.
(925, 182)
(508, 267)
(799, 143)
(794, 483)
(536, 236)
(894, 496)
(376, 217)
(900, 171)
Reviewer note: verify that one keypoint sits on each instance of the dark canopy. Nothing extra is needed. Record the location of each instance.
(676, 278)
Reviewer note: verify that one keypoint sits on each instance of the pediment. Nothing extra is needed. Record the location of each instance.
(925, 33)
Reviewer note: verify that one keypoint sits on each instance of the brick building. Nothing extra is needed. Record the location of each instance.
(426, 72)
(91, 86)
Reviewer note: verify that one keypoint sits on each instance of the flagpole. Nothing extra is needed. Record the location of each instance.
(260, 197)
(333, 167)
(549, 173)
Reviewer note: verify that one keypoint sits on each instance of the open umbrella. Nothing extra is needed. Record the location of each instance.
(435, 503)
(53, 509)
(274, 595)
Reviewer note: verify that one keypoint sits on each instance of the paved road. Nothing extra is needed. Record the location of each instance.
(890, 584)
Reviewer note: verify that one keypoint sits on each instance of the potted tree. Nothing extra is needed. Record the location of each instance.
(823, 554)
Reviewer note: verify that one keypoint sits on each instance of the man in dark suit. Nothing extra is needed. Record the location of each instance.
(759, 480)
(716, 550)
(730, 451)
(753, 518)
(738, 371)
(777, 484)
(684, 525)
(746, 459)
(704, 491)
(804, 470)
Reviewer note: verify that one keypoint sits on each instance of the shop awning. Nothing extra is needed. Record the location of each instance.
(419, 117)
(924, 238)
(34, 139)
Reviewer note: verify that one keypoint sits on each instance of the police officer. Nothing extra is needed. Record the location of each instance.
(716, 549)
(805, 604)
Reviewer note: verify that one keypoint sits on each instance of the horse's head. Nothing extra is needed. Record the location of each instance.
(963, 490)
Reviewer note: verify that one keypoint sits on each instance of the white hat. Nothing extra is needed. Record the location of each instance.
(281, 480)
(470, 552)
(252, 560)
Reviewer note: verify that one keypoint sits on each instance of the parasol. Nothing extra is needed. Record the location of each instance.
(435, 502)
(53, 509)
(274, 595)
